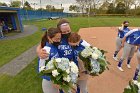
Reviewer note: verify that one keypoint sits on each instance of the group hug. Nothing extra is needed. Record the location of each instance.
(65, 60)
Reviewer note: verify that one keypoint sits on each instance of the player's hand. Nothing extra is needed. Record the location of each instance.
(122, 45)
(122, 25)
(136, 49)
(74, 89)
(56, 86)
(43, 54)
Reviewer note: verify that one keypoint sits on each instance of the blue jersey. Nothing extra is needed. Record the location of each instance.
(78, 49)
(137, 41)
(53, 53)
(65, 50)
(122, 31)
(132, 35)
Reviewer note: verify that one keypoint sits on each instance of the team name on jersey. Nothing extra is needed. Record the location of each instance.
(63, 47)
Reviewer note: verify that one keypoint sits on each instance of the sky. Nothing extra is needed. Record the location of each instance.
(56, 3)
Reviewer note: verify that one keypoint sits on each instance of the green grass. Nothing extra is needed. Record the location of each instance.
(10, 49)
(28, 80)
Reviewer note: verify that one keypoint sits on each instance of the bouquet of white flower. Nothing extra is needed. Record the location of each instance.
(133, 87)
(94, 60)
(62, 72)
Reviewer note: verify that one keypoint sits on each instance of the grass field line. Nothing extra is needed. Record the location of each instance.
(17, 64)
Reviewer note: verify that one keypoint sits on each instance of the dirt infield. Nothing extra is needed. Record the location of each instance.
(112, 81)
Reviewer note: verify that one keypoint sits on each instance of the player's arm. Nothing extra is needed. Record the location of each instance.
(127, 34)
(123, 41)
(41, 52)
(121, 28)
(131, 31)
(85, 43)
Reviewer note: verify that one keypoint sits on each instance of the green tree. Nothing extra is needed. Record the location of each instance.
(74, 8)
(111, 9)
(120, 8)
(41, 9)
(3, 4)
(15, 4)
(27, 6)
(53, 9)
(105, 5)
(50, 8)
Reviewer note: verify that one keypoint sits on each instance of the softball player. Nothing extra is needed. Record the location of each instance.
(64, 49)
(1, 28)
(129, 48)
(121, 32)
(78, 45)
(137, 43)
(138, 67)
(50, 41)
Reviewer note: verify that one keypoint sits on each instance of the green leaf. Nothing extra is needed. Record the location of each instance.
(127, 90)
(103, 51)
(55, 64)
(107, 68)
(108, 62)
(65, 88)
(133, 88)
(58, 77)
(86, 62)
(47, 71)
(46, 62)
(102, 62)
(64, 74)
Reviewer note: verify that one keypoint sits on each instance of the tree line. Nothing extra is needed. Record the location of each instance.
(131, 7)
(27, 6)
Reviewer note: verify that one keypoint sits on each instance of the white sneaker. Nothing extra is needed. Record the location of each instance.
(116, 58)
(120, 68)
(128, 66)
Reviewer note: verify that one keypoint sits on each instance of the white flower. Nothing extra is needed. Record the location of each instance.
(95, 66)
(74, 67)
(98, 52)
(42, 68)
(58, 59)
(68, 71)
(55, 73)
(67, 78)
(74, 70)
(87, 52)
(95, 48)
(135, 82)
(72, 64)
(95, 56)
(128, 87)
(138, 85)
(50, 65)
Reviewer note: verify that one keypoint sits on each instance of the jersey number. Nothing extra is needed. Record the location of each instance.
(67, 52)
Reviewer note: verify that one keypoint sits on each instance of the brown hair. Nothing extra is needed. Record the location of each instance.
(125, 22)
(50, 33)
(74, 37)
(62, 21)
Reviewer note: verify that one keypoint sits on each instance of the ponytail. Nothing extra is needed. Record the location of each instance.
(44, 40)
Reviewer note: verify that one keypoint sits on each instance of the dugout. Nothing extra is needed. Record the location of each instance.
(11, 18)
